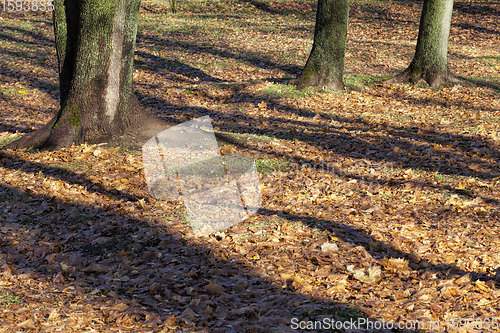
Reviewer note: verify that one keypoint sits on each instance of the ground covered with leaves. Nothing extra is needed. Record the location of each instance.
(380, 202)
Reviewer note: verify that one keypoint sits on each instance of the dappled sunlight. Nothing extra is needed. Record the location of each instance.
(381, 201)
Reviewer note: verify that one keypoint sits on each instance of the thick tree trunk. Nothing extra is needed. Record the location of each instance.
(430, 62)
(95, 42)
(325, 66)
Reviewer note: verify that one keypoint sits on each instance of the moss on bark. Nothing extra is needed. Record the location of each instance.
(325, 66)
(95, 42)
(430, 62)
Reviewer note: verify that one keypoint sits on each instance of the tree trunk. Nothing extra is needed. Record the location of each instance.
(325, 67)
(95, 41)
(430, 62)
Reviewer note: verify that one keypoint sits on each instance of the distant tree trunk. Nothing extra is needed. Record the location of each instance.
(95, 41)
(430, 62)
(325, 66)
(173, 4)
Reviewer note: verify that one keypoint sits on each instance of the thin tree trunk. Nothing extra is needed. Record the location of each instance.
(325, 66)
(95, 42)
(430, 62)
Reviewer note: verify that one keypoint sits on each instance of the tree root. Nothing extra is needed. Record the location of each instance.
(131, 134)
(431, 78)
(35, 140)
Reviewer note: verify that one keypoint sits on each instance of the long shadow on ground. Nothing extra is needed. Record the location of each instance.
(409, 147)
(146, 266)
(258, 61)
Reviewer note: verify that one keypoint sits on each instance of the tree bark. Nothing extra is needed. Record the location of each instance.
(325, 66)
(430, 62)
(95, 42)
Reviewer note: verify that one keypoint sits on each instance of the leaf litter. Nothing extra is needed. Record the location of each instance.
(387, 207)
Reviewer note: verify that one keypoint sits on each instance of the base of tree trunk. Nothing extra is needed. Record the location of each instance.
(433, 78)
(132, 133)
(316, 81)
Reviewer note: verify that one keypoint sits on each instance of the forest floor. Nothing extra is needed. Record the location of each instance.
(380, 202)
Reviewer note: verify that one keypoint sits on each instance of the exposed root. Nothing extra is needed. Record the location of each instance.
(431, 78)
(35, 140)
(57, 133)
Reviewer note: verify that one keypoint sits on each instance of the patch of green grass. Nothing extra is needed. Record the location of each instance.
(492, 82)
(489, 58)
(269, 28)
(385, 196)
(9, 92)
(177, 215)
(5, 141)
(267, 165)
(124, 150)
(416, 171)
(45, 86)
(263, 223)
(362, 81)
(389, 170)
(473, 244)
(242, 238)
(74, 166)
(443, 178)
(319, 232)
(402, 116)
(264, 235)
(463, 192)
(285, 91)
(8, 298)
(26, 220)
(77, 218)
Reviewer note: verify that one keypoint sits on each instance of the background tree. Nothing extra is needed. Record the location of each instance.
(95, 41)
(325, 66)
(430, 62)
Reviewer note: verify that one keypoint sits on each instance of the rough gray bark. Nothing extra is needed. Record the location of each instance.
(430, 62)
(95, 42)
(325, 66)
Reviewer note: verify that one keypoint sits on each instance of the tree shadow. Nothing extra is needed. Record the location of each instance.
(474, 8)
(151, 268)
(486, 8)
(382, 14)
(228, 52)
(156, 267)
(38, 39)
(13, 128)
(483, 30)
(151, 62)
(481, 82)
(281, 10)
(370, 181)
(377, 249)
(263, 7)
(409, 147)
(11, 162)
(22, 73)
